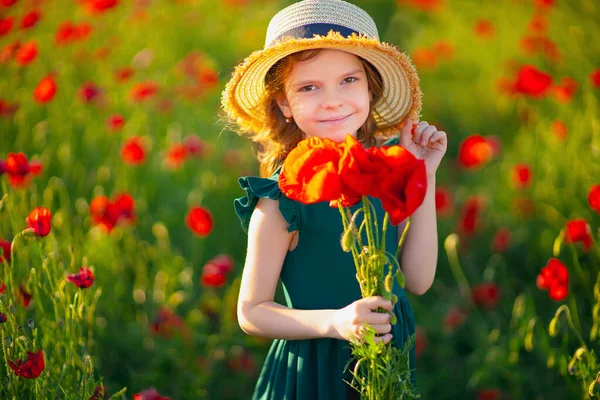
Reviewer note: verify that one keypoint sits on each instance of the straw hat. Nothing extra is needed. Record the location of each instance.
(330, 24)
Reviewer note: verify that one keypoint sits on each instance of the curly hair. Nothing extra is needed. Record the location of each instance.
(279, 137)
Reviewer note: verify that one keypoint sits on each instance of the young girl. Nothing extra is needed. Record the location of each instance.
(323, 72)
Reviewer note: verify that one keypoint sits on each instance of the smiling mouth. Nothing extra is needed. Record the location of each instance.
(334, 120)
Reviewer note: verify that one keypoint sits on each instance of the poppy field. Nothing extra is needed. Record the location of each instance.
(121, 254)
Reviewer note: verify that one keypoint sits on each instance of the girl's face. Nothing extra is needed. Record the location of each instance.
(327, 96)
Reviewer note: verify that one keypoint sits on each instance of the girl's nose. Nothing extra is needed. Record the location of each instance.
(331, 100)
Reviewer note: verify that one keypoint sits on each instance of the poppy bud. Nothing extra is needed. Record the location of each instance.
(553, 328)
(579, 353)
(593, 388)
(394, 299)
(388, 282)
(393, 319)
(401, 278)
(347, 239)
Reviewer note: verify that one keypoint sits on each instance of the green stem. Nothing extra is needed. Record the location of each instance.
(450, 245)
(567, 311)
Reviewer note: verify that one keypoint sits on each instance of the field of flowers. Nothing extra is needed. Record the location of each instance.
(120, 252)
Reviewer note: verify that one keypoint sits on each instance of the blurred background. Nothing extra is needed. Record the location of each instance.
(110, 119)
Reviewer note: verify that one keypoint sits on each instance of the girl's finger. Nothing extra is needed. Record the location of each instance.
(385, 338)
(379, 318)
(438, 139)
(383, 328)
(427, 133)
(419, 131)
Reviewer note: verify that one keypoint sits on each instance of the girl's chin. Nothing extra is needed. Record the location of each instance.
(336, 136)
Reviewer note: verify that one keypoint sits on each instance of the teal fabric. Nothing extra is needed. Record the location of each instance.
(317, 274)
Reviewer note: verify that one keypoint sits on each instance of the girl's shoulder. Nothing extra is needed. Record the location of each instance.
(268, 188)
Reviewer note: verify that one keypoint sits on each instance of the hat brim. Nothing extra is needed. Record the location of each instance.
(243, 96)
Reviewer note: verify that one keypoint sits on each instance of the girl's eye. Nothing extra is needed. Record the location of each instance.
(307, 88)
(350, 79)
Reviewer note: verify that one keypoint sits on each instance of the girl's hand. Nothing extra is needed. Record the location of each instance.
(348, 322)
(425, 142)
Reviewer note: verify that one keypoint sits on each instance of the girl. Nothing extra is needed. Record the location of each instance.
(323, 72)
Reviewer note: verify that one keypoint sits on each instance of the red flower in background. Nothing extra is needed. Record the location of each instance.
(423, 5)
(421, 343)
(2, 288)
(124, 74)
(424, 58)
(242, 361)
(531, 82)
(454, 318)
(150, 394)
(594, 198)
(554, 277)
(207, 77)
(475, 151)
(6, 25)
(26, 53)
(194, 146)
(521, 176)
(560, 129)
(470, 215)
(30, 369)
(7, 3)
(98, 6)
(538, 24)
(486, 295)
(143, 91)
(167, 322)
(108, 213)
(30, 19)
(176, 155)
(484, 29)
(443, 202)
(19, 170)
(99, 393)
(544, 4)
(199, 221)
(133, 151)
(3, 318)
(115, 122)
(565, 91)
(5, 247)
(501, 240)
(489, 394)
(595, 78)
(89, 92)
(215, 271)
(69, 32)
(83, 279)
(578, 230)
(45, 89)
(7, 110)
(40, 220)
(25, 296)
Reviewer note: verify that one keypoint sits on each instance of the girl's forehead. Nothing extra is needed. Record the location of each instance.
(327, 61)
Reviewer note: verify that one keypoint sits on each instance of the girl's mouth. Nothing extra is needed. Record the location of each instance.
(336, 121)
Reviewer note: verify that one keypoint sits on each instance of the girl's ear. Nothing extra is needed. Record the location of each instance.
(283, 105)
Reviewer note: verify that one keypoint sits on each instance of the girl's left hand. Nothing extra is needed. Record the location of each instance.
(426, 143)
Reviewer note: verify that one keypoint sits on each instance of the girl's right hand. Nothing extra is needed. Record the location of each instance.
(348, 322)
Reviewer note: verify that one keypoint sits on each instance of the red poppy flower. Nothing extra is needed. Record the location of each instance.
(359, 170)
(26, 53)
(242, 361)
(560, 129)
(594, 198)
(484, 29)
(99, 393)
(402, 182)
(176, 155)
(199, 221)
(5, 254)
(310, 172)
(133, 151)
(454, 318)
(215, 271)
(2, 288)
(6, 25)
(565, 91)
(475, 151)
(150, 394)
(89, 92)
(45, 89)
(194, 146)
(486, 295)
(99, 6)
(108, 213)
(424, 58)
(6, 109)
(25, 296)
(39, 220)
(423, 5)
(7, 3)
(207, 77)
(115, 122)
(501, 240)
(544, 4)
(19, 170)
(595, 78)
(223, 262)
(538, 24)
(167, 323)
(30, 369)
(521, 176)
(489, 394)
(532, 82)
(443, 49)
(443, 202)
(68, 32)
(3, 318)
(471, 215)
(143, 91)
(554, 277)
(421, 343)
(30, 19)
(83, 279)
(124, 74)
(578, 230)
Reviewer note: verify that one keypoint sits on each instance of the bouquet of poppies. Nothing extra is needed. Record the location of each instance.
(345, 174)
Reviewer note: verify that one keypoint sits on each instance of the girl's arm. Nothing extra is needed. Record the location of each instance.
(420, 249)
(258, 314)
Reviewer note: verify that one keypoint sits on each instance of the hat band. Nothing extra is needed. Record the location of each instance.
(310, 30)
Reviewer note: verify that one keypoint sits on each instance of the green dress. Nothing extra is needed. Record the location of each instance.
(317, 274)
